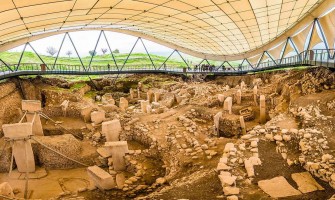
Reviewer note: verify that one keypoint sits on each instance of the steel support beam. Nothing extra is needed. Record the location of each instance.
(103, 32)
(148, 53)
(283, 51)
(323, 37)
(37, 54)
(183, 59)
(24, 49)
(60, 48)
(166, 59)
(81, 62)
(6, 65)
(131, 51)
(94, 51)
(310, 38)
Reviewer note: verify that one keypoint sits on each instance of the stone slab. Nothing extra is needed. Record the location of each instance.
(120, 179)
(102, 179)
(278, 187)
(97, 117)
(18, 130)
(306, 183)
(24, 156)
(31, 105)
(112, 130)
(37, 124)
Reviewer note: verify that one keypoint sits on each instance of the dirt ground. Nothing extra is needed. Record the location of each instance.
(174, 151)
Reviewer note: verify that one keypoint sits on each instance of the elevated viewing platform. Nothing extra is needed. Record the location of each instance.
(320, 57)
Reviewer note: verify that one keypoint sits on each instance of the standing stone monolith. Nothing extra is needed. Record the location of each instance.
(149, 96)
(64, 106)
(228, 103)
(22, 150)
(238, 97)
(144, 105)
(157, 96)
(118, 151)
(255, 91)
(123, 104)
(244, 130)
(243, 85)
(131, 93)
(221, 98)
(217, 122)
(86, 113)
(138, 93)
(262, 108)
(33, 107)
(112, 130)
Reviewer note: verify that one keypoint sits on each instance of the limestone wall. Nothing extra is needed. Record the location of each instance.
(10, 101)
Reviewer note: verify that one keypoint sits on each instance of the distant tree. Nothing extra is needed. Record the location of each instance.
(104, 50)
(51, 50)
(92, 52)
(69, 53)
(116, 51)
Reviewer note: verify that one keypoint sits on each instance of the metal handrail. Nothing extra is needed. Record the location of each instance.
(315, 57)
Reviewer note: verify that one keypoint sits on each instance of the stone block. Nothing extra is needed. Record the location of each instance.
(118, 151)
(112, 130)
(31, 105)
(18, 130)
(278, 187)
(102, 179)
(97, 117)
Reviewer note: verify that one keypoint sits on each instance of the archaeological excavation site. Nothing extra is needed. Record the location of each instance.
(167, 99)
(261, 136)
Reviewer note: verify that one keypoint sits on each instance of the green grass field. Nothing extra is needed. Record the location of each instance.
(135, 60)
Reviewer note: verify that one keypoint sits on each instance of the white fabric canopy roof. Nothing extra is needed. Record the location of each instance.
(204, 28)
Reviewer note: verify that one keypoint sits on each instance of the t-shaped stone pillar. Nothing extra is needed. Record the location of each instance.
(123, 104)
(228, 103)
(262, 108)
(22, 150)
(118, 151)
(112, 130)
(33, 107)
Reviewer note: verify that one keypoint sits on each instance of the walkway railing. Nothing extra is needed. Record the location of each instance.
(318, 57)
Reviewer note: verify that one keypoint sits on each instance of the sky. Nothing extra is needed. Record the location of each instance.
(86, 41)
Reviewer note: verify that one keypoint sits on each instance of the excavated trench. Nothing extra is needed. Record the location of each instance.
(174, 151)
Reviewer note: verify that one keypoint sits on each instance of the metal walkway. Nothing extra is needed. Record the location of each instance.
(323, 58)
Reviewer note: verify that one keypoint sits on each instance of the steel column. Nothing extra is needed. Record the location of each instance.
(24, 49)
